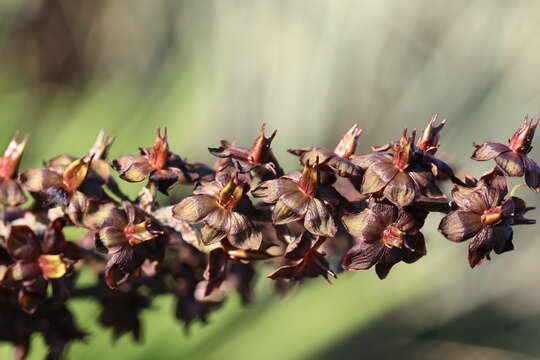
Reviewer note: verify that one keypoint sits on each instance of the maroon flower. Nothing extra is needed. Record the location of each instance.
(223, 208)
(124, 236)
(384, 236)
(54, 188)
(306, 260)
(402, 177)
(513, 159)
(483, 215)
(300, 198)
(157, 164)
(36, 261)
(334, 161)
(11, 193)
(259, 157)
(429, 141)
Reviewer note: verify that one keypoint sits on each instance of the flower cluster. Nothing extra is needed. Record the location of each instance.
(339, 211)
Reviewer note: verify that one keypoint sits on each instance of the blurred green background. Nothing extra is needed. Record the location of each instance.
(217, 69)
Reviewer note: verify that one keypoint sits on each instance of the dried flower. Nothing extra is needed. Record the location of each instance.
(11, 193)
(157, 164)
(259, 157)
(37, 261)
(306, 260)
(298, 198)
(334, 161)
(56, 189)
(483, 215)
(513, 159)
(223, 207)
(385, 235)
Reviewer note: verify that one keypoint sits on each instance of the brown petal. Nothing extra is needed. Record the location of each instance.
(194, 208)
(210, 236)
(488, 151)
(249, 239)
(511, 163)
(39, 180)
(473, 199)
(318, 220)
(11, 193)
(23, 243)
(75, 173)
(377, 176)
(166, 179)
(480, 247)
(132, 168)
(388, 258)
(344, 167)
(362, 256)
(98, 214)
(297, 202)
(366, 160)
(287, 272)
(460, 225)
(111, 237)
(532, 174)
(270, 191)
(19, 271)
(366, 226)
(227, 221)
(415, 248)
(400, 190)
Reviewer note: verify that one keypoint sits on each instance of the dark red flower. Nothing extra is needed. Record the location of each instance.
(334, 161)
(259, 157)
(11, 193)
(36, 261)
(306, 260)
(403, 177)
(300, 198)
(385, 235)
(124, 236)
(223, 208)
(513, 159)
(157, 164)
(56, 188)
(483, 215)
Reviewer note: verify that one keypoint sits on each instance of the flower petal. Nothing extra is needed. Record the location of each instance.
(249, 239)
(39, 180)
(366, 226)
(318, 220)
(366, 160)
(111, 236)
(270, 191)
(132, 168)
(290, 207)
(377, 176)
(400, 190)
(11, 193)
(488, 151)
(532, 174)
(21, 270)
(194, 208)
(23, 243)
(362, 256)
(388, 258)
(511, 163)
(460, 225)
(211, 236)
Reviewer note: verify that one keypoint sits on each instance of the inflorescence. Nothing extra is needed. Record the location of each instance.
(366, 209)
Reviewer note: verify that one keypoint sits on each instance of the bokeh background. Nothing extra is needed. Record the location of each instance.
(217, 69)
